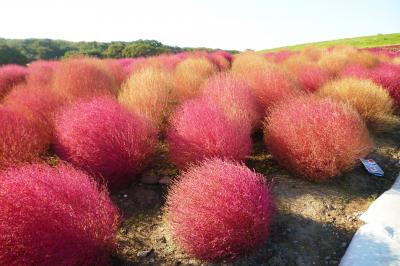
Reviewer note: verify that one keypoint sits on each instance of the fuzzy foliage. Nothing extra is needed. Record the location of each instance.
(313, 53)
(334, 62)
(105, 139)
(235, 97)
(356, 71)
(190, 75)
(219, 209)
(388, 75)
(54, 216)
(316, 138)
(41, 73)
(272, 85)
(84, 78)
(269, 82)
(199, 129)
(118, 70)
(249, 62)
(308, 73)
(11, 75)
(20, 139)
(371, 100)
(148, 93)
(37, 105)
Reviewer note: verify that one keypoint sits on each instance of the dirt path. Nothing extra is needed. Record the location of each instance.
(313, 224)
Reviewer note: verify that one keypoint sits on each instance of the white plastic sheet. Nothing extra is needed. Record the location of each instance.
(373, 245)
(378, 241)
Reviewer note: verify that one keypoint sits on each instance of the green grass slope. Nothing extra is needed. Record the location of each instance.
(360, 42)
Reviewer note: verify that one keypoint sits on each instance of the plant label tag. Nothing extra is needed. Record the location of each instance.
(372, 167)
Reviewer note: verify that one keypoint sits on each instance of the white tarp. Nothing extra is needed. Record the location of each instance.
(378, 241)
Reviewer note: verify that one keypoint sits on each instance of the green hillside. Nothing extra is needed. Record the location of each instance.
(360, 42)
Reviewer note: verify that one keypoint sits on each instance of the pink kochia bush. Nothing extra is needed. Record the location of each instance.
(105, 139)
(357, 71)
(235, 97)
(199, 129)
(388, 76)
(20, 139)
(54, 216)
(316, 138)
(38, 105)
(219, 209)
(11, 75)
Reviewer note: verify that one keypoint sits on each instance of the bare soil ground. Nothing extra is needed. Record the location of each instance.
(313, 224)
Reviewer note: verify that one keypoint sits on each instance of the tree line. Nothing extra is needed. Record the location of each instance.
(23, 51)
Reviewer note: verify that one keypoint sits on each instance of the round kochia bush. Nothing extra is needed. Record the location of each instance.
(54, 216)
(371, 100)
(41, 73)
(388, 76)
(103, 138)
(190, 75)
(11, 75)
(38, 105)
(20, 139)
(269, 82)
(219, 209)
(235, 97)
(199, 129)
(84, 77)
(316, 138)
(147, 92)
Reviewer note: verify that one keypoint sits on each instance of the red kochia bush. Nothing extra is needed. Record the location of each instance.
(219, 209)
(105, 139)
(316, 138)
(388, 76)
(11, 75)
(234, 96)
(41, 73)
(20, 139)
(84, 77)
(54, 216)
(37, 105)
(199, 129)
(272, 85)
(312, 77)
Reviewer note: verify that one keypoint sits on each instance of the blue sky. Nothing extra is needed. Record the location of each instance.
(253, 24)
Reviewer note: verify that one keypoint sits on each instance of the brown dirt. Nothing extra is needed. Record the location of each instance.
(313, 224)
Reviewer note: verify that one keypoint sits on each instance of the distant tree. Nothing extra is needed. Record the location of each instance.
(11, 55)
(114, 50)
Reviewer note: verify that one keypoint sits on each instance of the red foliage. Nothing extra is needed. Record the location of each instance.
(20, 139)
(281, 56)
(54, 216)
(311, 77)
(103, 138)
(219, 209)
(199, 129)
(272, 85)
(11, 75)
(316, 138)
(388, 76)
(84, 77)
(41, 73)
(234, 96)
(120, 72)
(356, 71)
(37, 105)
